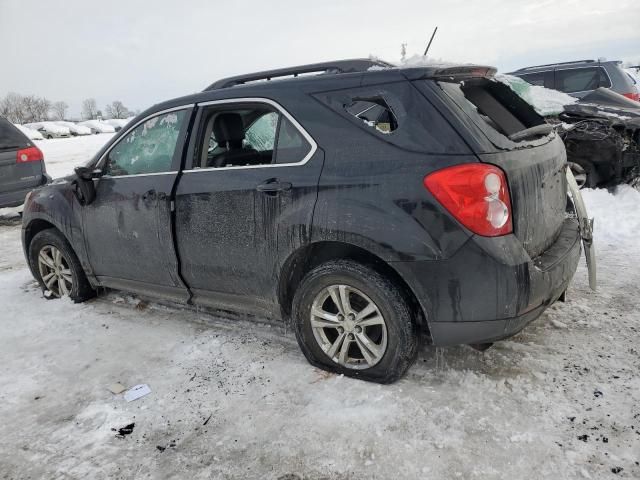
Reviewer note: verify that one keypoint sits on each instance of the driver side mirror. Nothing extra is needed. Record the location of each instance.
(85, 189)
(86, 173)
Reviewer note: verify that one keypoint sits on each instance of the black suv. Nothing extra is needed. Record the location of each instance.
(364, 204)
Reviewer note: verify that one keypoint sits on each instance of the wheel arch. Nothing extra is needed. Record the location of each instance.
(306, 258)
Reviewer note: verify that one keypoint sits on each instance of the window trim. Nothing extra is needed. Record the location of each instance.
(103, 158)
(281, 109)
(556, 70)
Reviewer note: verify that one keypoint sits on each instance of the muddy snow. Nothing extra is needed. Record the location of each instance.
(235, 399)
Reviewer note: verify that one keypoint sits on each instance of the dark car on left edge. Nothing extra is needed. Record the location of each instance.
(21, 165)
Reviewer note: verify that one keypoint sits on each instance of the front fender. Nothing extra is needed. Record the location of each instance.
(56, 205)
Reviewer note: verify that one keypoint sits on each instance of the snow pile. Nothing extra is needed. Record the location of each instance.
(545, 100)
(426, 61)
(75, 129)
(62, 155)
(98, 126)
(616, 214)
(117, 122)
(49, 127)
(30, 132)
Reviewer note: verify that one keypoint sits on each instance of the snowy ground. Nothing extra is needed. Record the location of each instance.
(235, 399)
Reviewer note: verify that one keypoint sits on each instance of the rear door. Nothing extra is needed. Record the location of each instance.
(235, 221)
(15, 175)
(127, 228)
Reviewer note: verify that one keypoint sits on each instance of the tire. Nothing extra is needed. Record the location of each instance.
(396, 350)
(47, 242)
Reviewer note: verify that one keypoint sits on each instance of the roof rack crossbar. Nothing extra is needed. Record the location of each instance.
(554, 64)
(339, 66)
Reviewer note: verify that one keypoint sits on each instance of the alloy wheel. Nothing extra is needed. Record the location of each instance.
(348, 327)
(55, 271)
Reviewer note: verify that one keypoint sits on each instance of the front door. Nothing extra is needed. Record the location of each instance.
(248, 162)
(127, 228)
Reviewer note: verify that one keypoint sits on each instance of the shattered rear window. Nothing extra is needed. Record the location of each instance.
(493, 106)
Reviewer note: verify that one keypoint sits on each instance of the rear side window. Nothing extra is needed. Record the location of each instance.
(374, 112)
(581, 79)
(10, 136)
(397, 113)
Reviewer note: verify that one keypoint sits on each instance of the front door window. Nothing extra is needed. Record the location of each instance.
(148, 148)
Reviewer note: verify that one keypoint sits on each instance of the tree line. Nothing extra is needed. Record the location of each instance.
(20, 109)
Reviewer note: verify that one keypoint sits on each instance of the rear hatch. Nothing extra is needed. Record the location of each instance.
(17, 175)
(504, 130)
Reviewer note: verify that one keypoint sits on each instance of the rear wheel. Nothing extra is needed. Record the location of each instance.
(57, 267)
(350, 319)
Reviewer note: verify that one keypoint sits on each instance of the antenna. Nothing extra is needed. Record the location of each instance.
(431, 40)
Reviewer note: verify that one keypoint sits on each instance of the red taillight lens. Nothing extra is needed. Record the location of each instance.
(476, 194)
(31, 154)
(633, 96)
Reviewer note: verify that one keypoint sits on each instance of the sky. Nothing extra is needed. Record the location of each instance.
(145, 52)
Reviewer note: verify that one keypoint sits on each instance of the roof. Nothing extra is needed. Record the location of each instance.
(333, 67)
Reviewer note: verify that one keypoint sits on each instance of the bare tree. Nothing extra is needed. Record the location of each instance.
(11, 107)
(36, 109)
(89, 109)
(59, 110)
(116, 109)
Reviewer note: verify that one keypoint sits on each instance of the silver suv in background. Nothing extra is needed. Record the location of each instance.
(581, 77)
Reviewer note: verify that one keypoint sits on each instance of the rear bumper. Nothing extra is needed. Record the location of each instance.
(491, 288)
(16, 197)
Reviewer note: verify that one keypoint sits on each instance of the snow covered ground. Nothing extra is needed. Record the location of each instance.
(235, 399)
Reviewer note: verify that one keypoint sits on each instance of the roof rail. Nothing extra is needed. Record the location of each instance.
(555, 64)
(338, 66)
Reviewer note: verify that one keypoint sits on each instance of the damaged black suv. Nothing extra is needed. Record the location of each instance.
(369, 206)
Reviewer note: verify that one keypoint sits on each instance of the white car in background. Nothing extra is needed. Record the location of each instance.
(117, 123)
(49, 129)
(30, 132)
(98, 126)
(74, 128)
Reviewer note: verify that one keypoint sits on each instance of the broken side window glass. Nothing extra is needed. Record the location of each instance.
(374, 112)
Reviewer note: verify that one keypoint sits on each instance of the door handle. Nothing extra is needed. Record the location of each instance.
(149, 195)
(274, 186)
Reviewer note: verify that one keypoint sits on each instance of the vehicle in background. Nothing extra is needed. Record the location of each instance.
(21, 165)
(365, 204)
(74, 128)
(49, 129)
(601, 131)
(29, 132)
(98, 126)
(117, 123)
(581, 77)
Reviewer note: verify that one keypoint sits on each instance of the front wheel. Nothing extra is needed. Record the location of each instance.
(349, 319)
(57, 268)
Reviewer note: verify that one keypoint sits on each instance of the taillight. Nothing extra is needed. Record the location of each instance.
(31, 154)
(633, 96)
(476, 194)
